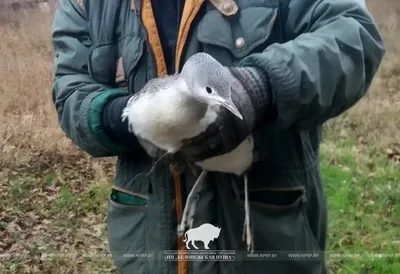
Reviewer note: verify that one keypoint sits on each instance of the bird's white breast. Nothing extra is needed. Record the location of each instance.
(164, 118)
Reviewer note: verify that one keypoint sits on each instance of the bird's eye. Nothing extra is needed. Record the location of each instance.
(209, 90)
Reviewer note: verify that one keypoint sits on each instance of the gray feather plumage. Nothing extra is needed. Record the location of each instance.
(203, 70)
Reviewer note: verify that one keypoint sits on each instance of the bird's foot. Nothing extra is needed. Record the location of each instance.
(247, 233)
(190, 206)
(190, 217)
(248, 236)
(162, 157)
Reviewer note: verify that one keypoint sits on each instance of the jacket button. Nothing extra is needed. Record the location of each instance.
(239, 43)
(227, 7)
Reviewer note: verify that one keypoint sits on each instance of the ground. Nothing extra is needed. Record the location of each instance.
(54, 197)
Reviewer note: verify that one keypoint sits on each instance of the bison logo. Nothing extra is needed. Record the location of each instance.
(205, 233)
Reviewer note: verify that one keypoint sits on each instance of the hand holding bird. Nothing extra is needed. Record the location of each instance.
(228, 131)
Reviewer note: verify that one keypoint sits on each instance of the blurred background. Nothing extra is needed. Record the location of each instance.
(53, 197)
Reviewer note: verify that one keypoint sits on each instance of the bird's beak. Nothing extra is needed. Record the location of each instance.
(229, 105)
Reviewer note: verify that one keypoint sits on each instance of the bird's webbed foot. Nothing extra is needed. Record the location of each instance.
(190, 206)
(247, 233)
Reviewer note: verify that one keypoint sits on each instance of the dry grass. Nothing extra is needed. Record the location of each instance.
(375, 120)
(28, 122)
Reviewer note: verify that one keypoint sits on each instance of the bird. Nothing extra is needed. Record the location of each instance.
(180, 106)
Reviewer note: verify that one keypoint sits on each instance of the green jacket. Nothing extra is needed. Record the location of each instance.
(320, 55)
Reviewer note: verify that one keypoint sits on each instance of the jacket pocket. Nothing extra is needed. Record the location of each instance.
(240, 34)
(126, 228)
(133, 64)
(283, 240)
(115, 63)
(103, 63)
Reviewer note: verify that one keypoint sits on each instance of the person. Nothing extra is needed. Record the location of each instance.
(319, 58)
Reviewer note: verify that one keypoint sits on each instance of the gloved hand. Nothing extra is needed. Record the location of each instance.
(251, 95)
(119, 130)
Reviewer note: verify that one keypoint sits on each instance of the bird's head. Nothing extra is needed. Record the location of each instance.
(209, 81)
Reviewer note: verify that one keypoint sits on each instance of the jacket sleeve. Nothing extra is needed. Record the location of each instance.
(79, 100)
(332, 53)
